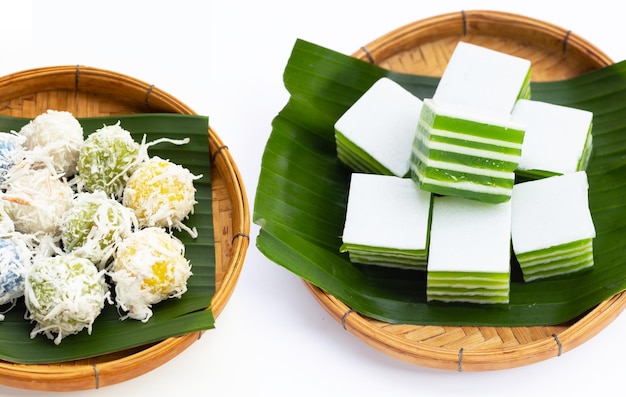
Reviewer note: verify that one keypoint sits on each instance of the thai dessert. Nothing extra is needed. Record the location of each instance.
(64, 294)
(54, 139)
(148, 267)
(552, 231)
(161, 193)
(36, 200)
(375, 134)
(107, 159)
(387, 222)
(94, 226)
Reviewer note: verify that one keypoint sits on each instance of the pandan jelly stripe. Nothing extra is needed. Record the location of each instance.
(543, 263)
(575, 267)
(482, 283)
(356, 163)
(475, 289)
(554, 257)
(429, 133)
(471, 275)
(451, 156)
(554, 273)
(464, 291)
(419, 158)
(582, 244)
(479, 153)
(358, 159)
(345, 247)
(461, 191)
(467, 141)
(559, 265)
(468, 286)
(416, 263)
(447, 176)
(470, 127)
(369, 255)
(437, 134)
(430, 296)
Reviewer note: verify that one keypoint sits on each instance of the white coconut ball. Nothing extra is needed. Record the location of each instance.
(36, 201)
(54, 139)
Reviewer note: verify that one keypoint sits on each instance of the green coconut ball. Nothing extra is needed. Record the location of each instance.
(107, 159)
(94, 226)
(64, 295)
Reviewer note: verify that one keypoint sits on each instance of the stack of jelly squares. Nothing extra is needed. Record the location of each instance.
(463, 150)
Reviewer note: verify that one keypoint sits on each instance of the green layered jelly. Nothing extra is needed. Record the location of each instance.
(484, 79)
(469, 251)
(552, 230)
(375, 134)
(465, 155)
(387, 222)
(558, 139)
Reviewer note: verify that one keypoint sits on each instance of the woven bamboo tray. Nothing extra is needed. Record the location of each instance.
(87, 92)
(424, 47)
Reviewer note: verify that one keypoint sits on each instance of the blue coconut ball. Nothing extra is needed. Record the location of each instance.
(12, 271)
(9, 146)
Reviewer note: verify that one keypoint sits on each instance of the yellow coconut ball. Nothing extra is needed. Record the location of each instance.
(148, 267)
(161, 193)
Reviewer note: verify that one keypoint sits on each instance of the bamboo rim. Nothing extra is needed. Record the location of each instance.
(423, 47)
(88, 91)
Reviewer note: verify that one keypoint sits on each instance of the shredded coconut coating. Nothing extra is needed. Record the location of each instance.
(162, 194)
(11, 152)
(148, 267)
(107, 158)
(7, 227)
(17, 251)
(94, 226)
(54, 139)
(36, 201)
(13, 266)
(64, 295)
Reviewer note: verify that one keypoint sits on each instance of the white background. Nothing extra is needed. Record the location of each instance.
(225, 60)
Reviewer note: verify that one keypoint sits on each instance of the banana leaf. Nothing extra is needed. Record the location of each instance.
(171, 317)
(301, 197)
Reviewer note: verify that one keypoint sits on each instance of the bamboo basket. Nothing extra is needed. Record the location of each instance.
(424, 47)
(90, 92)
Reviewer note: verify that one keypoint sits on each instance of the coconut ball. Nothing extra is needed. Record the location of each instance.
(94, 225)
(54, 138)
(161, 193)
(107, 158)
(11, 150)
(14, 262)
(36, 201)
(148, 267)
(64, 295)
